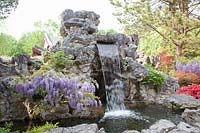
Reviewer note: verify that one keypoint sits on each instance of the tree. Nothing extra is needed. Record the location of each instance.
(29, 39)
(176, 21)
(8, 45)
(6, 7)
(50, 27)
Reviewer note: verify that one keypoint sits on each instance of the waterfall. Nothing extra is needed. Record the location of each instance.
(110, 63)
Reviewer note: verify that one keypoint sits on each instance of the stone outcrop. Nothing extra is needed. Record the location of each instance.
(79, 27)
(163, 126)
(83, 128)
(166, 126)
(59, 112)
(192, 117)
(182, 101)
(11, 106)
(79, 31)
(145, 59)
(19, 65)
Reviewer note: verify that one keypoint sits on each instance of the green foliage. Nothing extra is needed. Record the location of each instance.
(50, 27)
(173, 21)
(36, 37)
(110, 31)
(58, 60)
(42, 128)
(7, 128)
(28, 40)
(151, 43)
(8, 45)
(155, 78)
(6, 7)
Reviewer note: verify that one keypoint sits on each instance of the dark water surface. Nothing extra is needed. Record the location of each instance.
(137, 118)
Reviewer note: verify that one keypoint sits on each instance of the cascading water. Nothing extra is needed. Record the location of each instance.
(110, 63)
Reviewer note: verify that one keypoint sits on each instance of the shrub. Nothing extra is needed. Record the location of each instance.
(58, 60)
(7, 128)
(187, 77)
(166, 63)
(55, 87)
(42, 128)
(193, 90)
(155, 78)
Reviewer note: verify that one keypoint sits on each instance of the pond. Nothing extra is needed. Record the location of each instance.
(136, 118)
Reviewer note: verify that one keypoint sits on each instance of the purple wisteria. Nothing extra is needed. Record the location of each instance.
(192, 66)
(58, 87)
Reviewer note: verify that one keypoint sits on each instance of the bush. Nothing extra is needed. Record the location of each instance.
(42, 128)
(187, 77)
(155, 78)
(55, 87)
(58, 60)
(7, 128)
(166, 63)
(193, 90)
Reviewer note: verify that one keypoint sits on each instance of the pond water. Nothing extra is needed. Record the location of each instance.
(136, 118)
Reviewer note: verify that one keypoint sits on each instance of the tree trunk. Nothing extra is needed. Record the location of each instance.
(179, 50)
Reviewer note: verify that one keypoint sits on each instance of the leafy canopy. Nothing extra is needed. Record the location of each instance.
(176, 21)
(6, 7)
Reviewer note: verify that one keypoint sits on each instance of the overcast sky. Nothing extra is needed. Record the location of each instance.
(29, 11)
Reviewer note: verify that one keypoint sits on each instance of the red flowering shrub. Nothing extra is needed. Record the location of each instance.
(166, 63)
(187, 78)
(193, 90)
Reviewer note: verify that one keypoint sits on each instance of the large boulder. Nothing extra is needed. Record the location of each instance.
(61, 111)
(134, 70)
(131, 131)
(79, 27)
(182, 101)
(192, 117)
(83, 128)
(163, 126)
(188, 128)
(11, 106)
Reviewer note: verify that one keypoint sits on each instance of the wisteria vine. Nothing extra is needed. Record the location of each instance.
(58, 87)
(192, 66)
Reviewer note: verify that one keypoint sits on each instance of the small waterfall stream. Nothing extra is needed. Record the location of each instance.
(110, 63)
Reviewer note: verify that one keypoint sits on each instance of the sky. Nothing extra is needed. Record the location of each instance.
(30, 11)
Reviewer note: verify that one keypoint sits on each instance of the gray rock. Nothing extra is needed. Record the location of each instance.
(7, 70)
(131, 131)
(83, 128)
(117, 39)
(163, 126)
(61, 111)
(188, 128)
(178, 131)
(101, 130)
(170, 85)
(79, 27)
(5, 60)
(21, 60)
(182, 101)
(192, 117)
(134, 70)
(149, 131)
(11, 106)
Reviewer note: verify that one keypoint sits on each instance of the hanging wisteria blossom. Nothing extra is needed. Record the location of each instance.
(58, 87)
